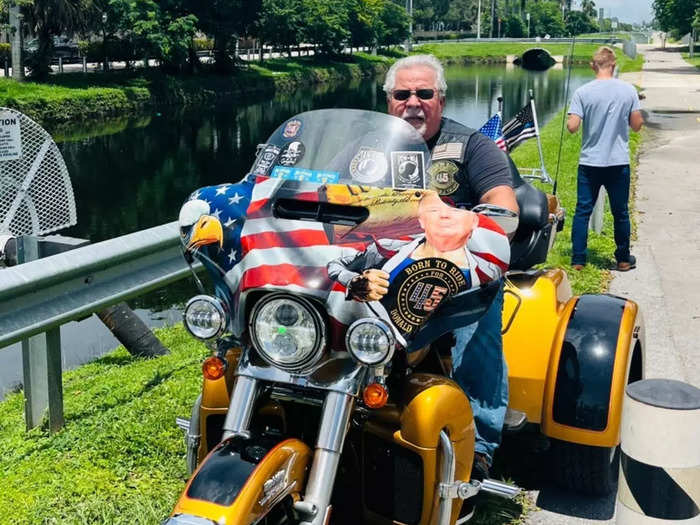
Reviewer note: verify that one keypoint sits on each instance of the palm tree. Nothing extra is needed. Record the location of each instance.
(50, 18)
(588, 7)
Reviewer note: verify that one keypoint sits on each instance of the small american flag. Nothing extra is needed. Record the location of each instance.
(492, 129)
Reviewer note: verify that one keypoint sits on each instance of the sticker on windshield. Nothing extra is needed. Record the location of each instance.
(301, 174)
(265, 160)
(407, 169)
(291, 154)
(442, 177)
(368, 166)
(292, 129)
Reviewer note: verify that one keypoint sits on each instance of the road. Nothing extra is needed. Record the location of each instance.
(667, 250)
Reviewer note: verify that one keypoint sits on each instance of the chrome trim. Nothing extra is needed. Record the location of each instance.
(387, 331)
(498, 488)
(220, 307)
(319, 324)
(449, 489)
(193, 436)
(240, 408)
(335, 421)
(337, 372)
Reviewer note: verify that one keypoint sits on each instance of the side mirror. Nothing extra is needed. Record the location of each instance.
(505, 218)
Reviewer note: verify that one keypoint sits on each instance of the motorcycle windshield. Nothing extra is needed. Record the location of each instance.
(332, 194)
(346, 146)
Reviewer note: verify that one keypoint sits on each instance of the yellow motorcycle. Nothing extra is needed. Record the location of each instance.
(323, 404)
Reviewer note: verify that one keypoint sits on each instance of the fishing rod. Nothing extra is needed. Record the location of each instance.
(563, 118)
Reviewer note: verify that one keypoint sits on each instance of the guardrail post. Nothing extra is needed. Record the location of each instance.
(60, 64)
(84, 64)
(43, 379)
(41, 363)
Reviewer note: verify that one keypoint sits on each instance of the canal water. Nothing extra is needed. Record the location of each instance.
(134, 173)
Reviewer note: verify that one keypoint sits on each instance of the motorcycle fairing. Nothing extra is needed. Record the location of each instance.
(238, 483)
(590, 364)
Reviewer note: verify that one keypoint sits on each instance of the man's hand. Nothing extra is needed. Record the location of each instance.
(371, 285)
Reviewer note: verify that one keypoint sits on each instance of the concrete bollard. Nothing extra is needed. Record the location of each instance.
(660, 456)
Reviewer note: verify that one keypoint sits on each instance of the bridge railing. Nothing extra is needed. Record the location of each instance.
(37, 297)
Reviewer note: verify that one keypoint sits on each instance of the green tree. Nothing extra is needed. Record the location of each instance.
(588, 8)
(395, 24)
(545, 18)
(365, 21)
(326, 24)
(675, 15)
(578, 23)
(462, 14)
(225, 20)
(514, 27)
(281, 23)
(50, 18)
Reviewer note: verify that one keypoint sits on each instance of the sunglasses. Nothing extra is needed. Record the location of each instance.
(405, 94)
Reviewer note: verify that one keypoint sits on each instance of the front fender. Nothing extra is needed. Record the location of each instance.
(589, 367)
(233, 485)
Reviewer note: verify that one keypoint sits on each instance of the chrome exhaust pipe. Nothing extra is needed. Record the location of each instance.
(497, 488)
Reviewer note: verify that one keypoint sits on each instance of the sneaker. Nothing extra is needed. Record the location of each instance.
(626, 266)
(480, 467)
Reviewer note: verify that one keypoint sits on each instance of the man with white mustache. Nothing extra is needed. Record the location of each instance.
(467, 169)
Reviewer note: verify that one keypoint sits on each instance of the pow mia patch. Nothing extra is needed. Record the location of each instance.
(407, 169)
(442, 177)
(291, 154)
(265, 160)
(368, 166)
(419, 289)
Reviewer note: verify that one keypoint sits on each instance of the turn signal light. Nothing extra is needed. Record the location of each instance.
(214, 368)
(375, 395)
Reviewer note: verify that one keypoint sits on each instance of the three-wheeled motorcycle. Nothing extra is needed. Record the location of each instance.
(318, 407)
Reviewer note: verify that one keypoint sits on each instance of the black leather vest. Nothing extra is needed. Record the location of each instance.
(448, 170)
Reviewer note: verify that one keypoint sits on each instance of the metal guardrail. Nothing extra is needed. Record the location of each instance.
(43, 294)
(535, 40)
(37, 297)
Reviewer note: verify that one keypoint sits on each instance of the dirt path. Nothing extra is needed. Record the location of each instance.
(665, 283)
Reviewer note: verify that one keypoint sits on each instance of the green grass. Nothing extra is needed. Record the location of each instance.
(695, 61)
(120, 457)
(595, 277)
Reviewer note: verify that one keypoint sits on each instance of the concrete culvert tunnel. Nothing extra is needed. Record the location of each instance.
(536, 59)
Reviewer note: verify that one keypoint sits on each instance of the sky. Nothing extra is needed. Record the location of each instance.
(630, 11)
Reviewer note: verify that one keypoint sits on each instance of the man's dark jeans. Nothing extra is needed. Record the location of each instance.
(616, 180)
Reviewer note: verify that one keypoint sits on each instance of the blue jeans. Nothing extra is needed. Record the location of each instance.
(479, 367)
(616, 180)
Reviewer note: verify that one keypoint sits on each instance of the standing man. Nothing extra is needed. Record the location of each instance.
(608, 107)
(467, 169)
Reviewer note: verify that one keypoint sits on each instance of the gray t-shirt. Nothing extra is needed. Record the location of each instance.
(605, 107)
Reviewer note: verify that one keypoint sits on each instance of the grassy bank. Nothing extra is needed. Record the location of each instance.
(71, 96)
(497, 52)
(695, 60)
(594, 278)
(77, 96)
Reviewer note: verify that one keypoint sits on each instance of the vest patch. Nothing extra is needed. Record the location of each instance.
(442, 177)
(449, 151)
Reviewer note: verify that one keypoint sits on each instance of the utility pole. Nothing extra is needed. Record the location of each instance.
(493, 15)
(409, 9)
(16, 42)
(478, 22)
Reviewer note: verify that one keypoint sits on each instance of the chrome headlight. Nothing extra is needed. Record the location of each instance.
(287, 331)
(370, 341)
(205, 317)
